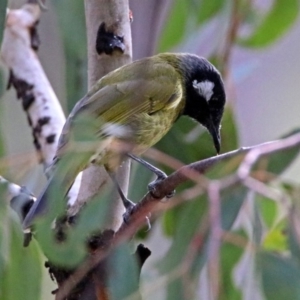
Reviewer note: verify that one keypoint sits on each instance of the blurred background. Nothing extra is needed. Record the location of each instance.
(256, 45)
(263, 71)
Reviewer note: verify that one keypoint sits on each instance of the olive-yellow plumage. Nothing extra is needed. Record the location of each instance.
(132, 108)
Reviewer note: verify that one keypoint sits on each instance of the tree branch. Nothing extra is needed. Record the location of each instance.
(150, 201)
(39, 101)
(104, 18)
(44, 113)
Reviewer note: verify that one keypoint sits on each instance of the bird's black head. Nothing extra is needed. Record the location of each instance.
(205, 94)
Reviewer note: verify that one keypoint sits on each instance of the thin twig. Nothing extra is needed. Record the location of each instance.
(267, 148)
(215, 238)
(225, 52)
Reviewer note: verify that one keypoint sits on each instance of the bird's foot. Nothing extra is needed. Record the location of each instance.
(152, 185)
(130, 206)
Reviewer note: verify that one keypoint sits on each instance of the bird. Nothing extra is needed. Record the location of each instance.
(128, 111)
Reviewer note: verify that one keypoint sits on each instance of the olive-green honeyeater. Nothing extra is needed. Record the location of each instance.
(130, 110)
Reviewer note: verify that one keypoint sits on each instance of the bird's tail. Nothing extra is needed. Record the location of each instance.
(57, 187)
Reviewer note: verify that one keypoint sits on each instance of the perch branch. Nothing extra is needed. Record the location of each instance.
(150, 201)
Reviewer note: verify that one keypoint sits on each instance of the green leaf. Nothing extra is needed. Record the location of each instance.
(20, 268)
(276, 239)
(229, 134)
(175, 290)
(22, 276)
(73, 250)
(280, 276)
(257, 223)
(2, 81)
(187, 225)
(93, 216)
(268, 209)
(4, 236)
(225, 167)
(293, 233)
(277, 162)
(230, 256)
(3, 5)
(208, 9)
(169, 221)
(274, 24)
(231, 202)
(175, 27)
(72, 20)
(187, 141)
(188, 222)
(140, 178)
(123, 273)
(2, 143)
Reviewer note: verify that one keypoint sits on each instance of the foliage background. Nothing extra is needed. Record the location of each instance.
(262, 78)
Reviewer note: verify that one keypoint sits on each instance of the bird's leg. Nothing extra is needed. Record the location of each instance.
(159, 173)
(128, 204)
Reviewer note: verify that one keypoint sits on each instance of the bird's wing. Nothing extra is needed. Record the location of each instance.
(146, 87)
(142, 87)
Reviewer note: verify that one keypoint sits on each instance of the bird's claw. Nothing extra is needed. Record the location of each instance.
(129, 210)
(127, 214)
(152, 186)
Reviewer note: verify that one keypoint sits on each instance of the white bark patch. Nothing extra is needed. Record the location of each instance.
(21, 59)
(204, 88)
(45, 112)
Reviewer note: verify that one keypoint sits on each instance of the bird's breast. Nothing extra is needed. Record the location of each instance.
(140, 133)
(149, 129)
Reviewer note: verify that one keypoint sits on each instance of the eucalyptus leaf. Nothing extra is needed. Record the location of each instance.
(257, 222)
(72, 20)
(140, 178)
(229, 133)
(192, 216)
(293, 232)
(2, 81)
(232, 200)
(187, 141)
(186, 226)
(123, 273)
(4, 236)
(279, 161)
(280, 276)
(73, 249)
(176, 288)
(175, 27)
(229, 257)
(276, 239)
(169, 221)
(208, 9)
(21, 277)
(268, 209)
(281, 16)
(3, 5)
(2, 142)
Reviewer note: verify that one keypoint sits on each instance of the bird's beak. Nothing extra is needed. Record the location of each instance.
(215, 133)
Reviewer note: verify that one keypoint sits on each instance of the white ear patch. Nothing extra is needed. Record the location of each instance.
(204, 88)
